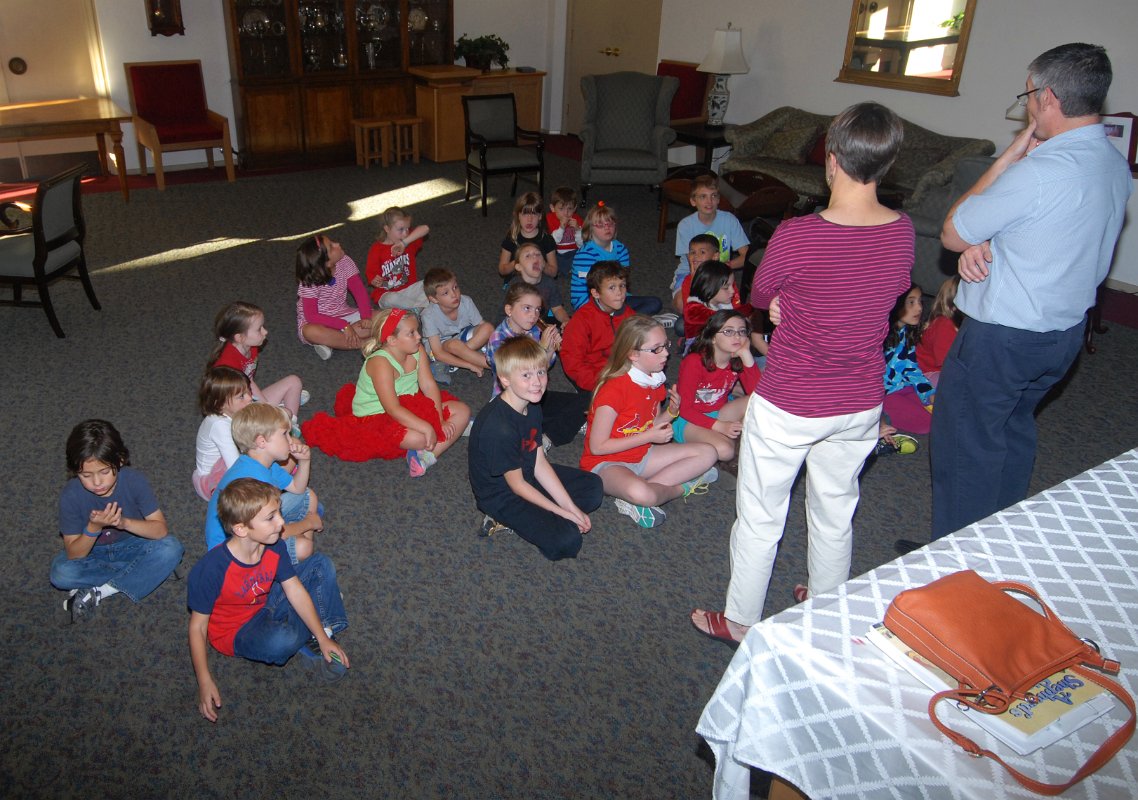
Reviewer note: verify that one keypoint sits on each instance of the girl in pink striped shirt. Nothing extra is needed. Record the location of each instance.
(324, 319)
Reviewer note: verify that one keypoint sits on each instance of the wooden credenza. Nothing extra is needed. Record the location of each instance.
(438, 100)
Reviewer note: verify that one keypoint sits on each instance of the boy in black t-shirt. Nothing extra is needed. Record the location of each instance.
(513, 483)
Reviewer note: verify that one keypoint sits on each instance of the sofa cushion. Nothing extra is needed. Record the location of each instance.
(792, 144)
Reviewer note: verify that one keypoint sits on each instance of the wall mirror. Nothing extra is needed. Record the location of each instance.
(915, 45)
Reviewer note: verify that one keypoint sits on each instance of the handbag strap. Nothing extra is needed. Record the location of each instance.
(1104, 753)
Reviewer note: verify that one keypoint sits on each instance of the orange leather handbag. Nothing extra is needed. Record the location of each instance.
(997, 649)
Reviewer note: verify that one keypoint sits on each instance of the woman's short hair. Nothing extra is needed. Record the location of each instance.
(865, 138)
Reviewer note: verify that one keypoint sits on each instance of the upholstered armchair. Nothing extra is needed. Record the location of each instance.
(167, 99)
(626, 133)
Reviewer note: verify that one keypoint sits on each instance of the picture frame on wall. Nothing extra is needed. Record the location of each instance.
(1120, 132)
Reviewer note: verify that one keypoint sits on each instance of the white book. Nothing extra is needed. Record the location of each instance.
(1063, 703)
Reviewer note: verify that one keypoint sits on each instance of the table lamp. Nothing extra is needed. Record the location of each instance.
(724, 59)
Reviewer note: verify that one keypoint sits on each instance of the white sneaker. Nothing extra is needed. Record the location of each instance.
(644, 516)
(305, 396)
(666, 319)
(323, 350)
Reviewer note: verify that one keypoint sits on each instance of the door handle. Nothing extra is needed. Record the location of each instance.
(610, 51)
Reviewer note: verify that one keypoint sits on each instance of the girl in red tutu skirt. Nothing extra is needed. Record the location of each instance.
(395, 407)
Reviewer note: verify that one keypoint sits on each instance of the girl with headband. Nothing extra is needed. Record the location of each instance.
(395, 408)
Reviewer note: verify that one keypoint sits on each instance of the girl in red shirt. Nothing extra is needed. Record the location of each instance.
(940, 330)
(240, 332)
(628, 441)
(720, 357)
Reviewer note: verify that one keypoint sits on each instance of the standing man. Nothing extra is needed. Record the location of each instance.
(1036, 235)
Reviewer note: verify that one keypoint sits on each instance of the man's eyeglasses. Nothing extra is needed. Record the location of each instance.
(734, 333)
(1021, 99)
(657, 350)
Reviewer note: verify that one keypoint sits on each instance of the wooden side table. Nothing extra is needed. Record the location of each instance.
(703, 136)
(405, 132)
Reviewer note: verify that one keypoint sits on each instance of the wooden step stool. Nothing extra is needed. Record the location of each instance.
(406, 134)
(373, 141)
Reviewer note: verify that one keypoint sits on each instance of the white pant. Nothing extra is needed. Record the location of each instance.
(410, 298)
(774, 445)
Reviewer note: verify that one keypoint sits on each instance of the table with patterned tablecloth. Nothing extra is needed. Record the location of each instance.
(809, 700)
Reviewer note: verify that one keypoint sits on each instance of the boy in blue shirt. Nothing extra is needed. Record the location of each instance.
(247, 600)
(709, 218)
(261, 433)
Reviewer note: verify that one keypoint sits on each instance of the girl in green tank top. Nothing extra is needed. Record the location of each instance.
(396, 366)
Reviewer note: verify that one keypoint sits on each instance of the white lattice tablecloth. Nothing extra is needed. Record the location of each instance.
(807, 698)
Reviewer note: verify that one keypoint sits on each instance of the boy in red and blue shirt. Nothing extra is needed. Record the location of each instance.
(246, 599)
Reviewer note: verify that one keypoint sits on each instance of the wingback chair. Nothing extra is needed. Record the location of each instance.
(51, 248)
(167, 99)
(626, 133)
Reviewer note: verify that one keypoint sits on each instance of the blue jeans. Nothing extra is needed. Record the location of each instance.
(276, 632)
(133, 565)
(644, 304)
(983, 427)
(294, 508)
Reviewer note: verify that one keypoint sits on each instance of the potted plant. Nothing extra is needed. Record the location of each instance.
(483, 51)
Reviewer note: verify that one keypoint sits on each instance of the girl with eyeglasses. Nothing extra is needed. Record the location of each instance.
(719, 358)
(526, 226)
(628, 441)
(324, 319)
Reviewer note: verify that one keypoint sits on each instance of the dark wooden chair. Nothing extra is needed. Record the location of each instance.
(50, 249)
(494, 143)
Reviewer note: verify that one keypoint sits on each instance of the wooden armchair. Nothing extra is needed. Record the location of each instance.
(167, 99)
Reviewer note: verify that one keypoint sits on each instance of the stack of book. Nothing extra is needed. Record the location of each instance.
(1062, 703)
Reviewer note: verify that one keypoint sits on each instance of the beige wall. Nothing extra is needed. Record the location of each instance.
(795, 49)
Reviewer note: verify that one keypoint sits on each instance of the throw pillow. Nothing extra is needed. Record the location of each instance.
(911, 165)
(791, 145)
(818, 152)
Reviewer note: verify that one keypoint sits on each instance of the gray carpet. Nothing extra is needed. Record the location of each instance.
(480, 670)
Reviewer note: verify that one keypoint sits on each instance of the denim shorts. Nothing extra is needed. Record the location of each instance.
(635, 467)
(294, 508)
(679, 424)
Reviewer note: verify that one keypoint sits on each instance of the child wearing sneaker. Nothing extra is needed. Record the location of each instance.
(513, 483)
(240, 331)
(247, 599)
(629, 437)
(325, 275)
(394, 409)
(261, 433)
(454, 330)
(115, 537)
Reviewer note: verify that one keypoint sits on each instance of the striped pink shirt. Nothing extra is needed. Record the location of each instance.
(836, 285)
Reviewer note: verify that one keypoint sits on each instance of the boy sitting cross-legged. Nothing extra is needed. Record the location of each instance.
(261, 433)
(452, 326)
(513, 483)
(709, 218)
(589, 334)
(247, 600)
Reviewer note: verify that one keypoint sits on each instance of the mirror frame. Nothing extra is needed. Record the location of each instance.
(908, 83)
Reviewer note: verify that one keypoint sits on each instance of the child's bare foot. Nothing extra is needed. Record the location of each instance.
(715, 625)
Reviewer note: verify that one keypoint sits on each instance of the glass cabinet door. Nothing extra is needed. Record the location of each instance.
(377, 35)
(323, 45)
(262, 38)
(428, 27)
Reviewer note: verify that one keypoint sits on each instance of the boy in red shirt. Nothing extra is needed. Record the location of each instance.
(589, 334)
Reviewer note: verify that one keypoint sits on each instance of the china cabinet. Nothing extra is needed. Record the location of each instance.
(303, 69)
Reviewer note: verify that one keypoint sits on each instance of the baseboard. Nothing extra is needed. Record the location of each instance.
(1119, 286)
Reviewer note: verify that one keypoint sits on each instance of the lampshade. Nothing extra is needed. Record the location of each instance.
(726, 56)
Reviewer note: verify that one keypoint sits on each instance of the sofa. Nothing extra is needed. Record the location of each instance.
(789, 144)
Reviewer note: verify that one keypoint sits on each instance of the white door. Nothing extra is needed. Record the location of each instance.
(604, 38)
(58, 44)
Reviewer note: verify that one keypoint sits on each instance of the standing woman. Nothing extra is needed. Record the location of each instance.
(832, 278)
